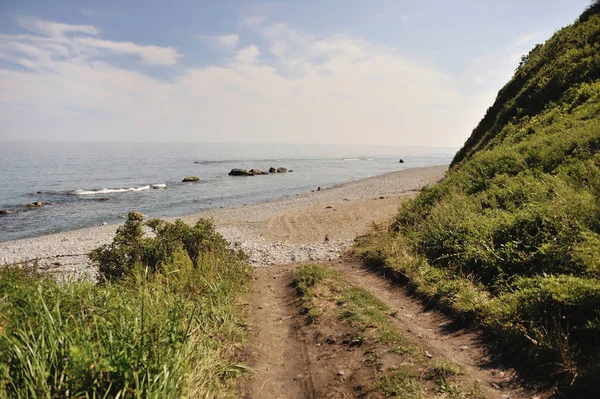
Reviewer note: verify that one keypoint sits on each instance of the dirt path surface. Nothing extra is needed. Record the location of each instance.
(277, 350)
(295, 360)
(439, 334)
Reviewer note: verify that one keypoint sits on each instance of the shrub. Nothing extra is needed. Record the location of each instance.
(131, 248)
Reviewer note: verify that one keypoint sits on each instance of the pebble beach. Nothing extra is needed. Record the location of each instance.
(303, 227)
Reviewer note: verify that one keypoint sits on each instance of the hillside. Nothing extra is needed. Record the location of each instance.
(510, 240)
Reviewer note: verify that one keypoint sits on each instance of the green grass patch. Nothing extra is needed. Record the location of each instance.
(163, 330)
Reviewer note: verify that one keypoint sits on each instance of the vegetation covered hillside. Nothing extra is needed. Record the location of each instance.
(510, 239)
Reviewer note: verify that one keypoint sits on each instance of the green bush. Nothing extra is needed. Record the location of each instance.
(170, 328)
(131, 248)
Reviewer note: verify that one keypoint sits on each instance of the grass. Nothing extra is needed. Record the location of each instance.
(326, 292)
(510, 240)
(162, 331)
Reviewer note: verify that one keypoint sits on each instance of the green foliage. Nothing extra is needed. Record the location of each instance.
(131, 248)
(170, 332)
(511, 238)
(569, 60)
(310, 275)
(400, 384)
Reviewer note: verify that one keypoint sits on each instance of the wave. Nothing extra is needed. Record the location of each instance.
(351, 159)
(115, 190)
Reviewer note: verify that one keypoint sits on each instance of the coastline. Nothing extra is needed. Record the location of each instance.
(273, 232)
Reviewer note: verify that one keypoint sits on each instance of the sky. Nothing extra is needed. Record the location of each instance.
(380, 72)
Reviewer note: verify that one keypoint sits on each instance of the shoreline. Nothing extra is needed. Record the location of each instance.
(289, 226)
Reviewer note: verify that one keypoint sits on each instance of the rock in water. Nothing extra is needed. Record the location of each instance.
(135, 215)
(240, 172)
(281, 169)
(103, 199)
(37, 204)
(255, 172)
(401, 161)
(5, 212)
(272, 170)
(190, 178)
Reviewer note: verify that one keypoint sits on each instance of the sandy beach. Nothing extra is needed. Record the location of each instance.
(276, 232)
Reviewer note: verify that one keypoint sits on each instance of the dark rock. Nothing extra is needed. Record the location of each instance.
(256, 172)
(135, 215)
(272, 170)
(329, 207)
(239, 172)
(318, 188)
(401, 161)
(37, 204)
(291, 170)
(5, 212)
(190, 178)
(281, 170)
(103, 199)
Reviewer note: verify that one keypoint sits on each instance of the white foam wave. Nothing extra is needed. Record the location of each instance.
(110, 190)
(351, 159)
(159, 186)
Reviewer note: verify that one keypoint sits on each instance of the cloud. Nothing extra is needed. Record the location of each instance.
(248, 55)
(228, 41)
(286, 86)
(53, 29)
(51, 42)
(149, 54)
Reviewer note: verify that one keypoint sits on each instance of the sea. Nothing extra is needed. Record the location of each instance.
(74, 179)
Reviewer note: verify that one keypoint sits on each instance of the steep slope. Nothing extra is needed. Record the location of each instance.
(510, 240)
(555, 75)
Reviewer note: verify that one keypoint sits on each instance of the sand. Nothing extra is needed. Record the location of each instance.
(276, 232)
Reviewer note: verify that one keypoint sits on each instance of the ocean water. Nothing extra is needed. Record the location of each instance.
(71, 178)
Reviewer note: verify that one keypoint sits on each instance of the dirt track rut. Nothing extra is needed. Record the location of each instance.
(290, 362)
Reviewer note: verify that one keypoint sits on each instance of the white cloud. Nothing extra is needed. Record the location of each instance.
(53, 41)
(149, 54)
(286, 87)
(248, 55)
(54, 29)
(228, 41)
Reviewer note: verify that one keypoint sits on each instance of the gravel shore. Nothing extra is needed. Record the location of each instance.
(267, 231)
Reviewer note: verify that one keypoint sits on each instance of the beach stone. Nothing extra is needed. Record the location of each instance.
(239, 172)
(281, 170)
(5, 212)
(190, 178)
(272, 170)
(135, 215)
(103, 199)
(401, 160)
(255, 172)
(37, 204)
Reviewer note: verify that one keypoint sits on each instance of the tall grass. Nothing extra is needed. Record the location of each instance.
(171, 332)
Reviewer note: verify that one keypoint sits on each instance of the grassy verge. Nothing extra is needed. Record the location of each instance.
(166, 330)
(327, 296)
(529, 321)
